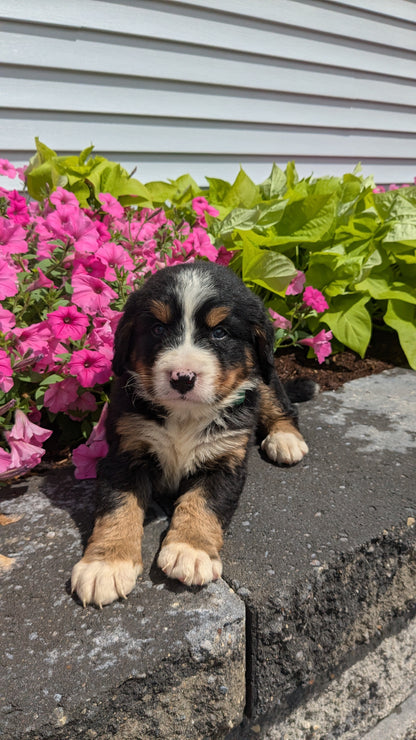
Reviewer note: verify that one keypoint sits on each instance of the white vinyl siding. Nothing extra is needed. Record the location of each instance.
(204, 87)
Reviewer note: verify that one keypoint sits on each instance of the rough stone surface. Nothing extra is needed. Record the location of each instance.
(381, 684)
(322, 557)
(140, 668)
(324, 553)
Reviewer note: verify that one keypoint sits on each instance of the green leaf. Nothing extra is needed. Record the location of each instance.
(401, 316)
(274, 185)
(270, 270)
(243, 192)
(307, 220)
(160, 192)
(381, 289)
(218, 190)
(350, 321)
(239, 218)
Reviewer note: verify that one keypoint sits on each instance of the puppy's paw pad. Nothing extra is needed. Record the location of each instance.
(284, 447)
(189, 565)
(100, 581)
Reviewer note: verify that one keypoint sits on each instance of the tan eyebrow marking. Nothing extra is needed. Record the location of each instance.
(216, 315)
(160, 310)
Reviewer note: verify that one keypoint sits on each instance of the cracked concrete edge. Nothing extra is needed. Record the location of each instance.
(374, 699)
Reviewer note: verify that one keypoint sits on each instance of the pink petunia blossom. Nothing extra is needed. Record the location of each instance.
(279, 322)
(61, 395)
(91, 294)
(23, 454)
(200, 205)
(113, 255)
(7, 320)
(379, 189)
(6, 372)
(320, 344)
(89, 367)
(296, 285)
(99, 430)
(8, 279)
(5, 463)
(199, 242)
(62, 197)
(41, 282)
(12, 238)
(68, 323)
(88, 264)
(7, 169)
(85, 458)
(17, 210)
(314, 298)
(81, 406)
(69, 223)
(111, 205)
(27, 431)
(224, 256)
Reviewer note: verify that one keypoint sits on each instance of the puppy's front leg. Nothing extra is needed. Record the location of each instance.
(112, 559)
(283, 442)
(190, 550)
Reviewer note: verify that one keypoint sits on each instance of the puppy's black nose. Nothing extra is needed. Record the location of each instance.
(182, 381)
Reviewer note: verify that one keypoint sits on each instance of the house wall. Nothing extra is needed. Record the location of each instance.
(203, 87)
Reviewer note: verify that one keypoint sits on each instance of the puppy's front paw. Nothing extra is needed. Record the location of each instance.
(284, 447)
(101, 582)
(189, 565)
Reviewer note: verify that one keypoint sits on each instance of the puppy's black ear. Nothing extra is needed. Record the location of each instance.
(123, 339)
(264, 343)
(122, 344)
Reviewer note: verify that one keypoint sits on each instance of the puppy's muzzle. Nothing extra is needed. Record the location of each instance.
(182, 380)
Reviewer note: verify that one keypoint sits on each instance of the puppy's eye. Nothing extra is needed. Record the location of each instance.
(159, 330)
(218, 333)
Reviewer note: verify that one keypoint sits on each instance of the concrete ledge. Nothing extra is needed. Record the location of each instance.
(321, 560)
(142, 668)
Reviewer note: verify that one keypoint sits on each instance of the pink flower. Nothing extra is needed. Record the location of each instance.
(201, 206)
(379, 189)
(62, 197)
(26, 430)
(111, 205)
(68, 323)
(12, 238)
(280, 322)
(5, 463)
(6, 372)
(314, 298)
(99, 431)
(7, 169)
(7, 320)
(88, 264)
(24, 455)
(79, 408)
(199, 242)
(61, 395)
(320, 344)
(224, 256)
(8, 279)
(296, 285)
(89, 367)
(17, 210)
(393, 186)
(41, 282)
(85, 458)
(113, 255)
(91, 294)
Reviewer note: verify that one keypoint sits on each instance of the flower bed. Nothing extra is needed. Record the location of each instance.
(69, 259)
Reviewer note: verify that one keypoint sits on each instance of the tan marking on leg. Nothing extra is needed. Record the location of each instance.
(160, 310)
(190, 550)
(284, 443)
(216, 315)
(112, 560)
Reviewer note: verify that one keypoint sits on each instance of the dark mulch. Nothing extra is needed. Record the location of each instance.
(383, 353)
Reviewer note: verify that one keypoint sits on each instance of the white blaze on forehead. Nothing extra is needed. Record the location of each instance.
(194, 288)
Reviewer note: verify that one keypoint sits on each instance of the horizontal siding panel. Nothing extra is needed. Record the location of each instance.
(217, 23)
(166, 136)
(203, 69)
(302, 12)
(111, 48)
(221, 105)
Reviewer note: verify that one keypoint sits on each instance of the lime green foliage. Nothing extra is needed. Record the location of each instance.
(356, 246)
(83, 175)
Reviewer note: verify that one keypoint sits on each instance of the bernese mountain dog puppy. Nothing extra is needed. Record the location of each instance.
(195, 378)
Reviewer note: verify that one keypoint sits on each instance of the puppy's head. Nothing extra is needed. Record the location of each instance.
(194, 334)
